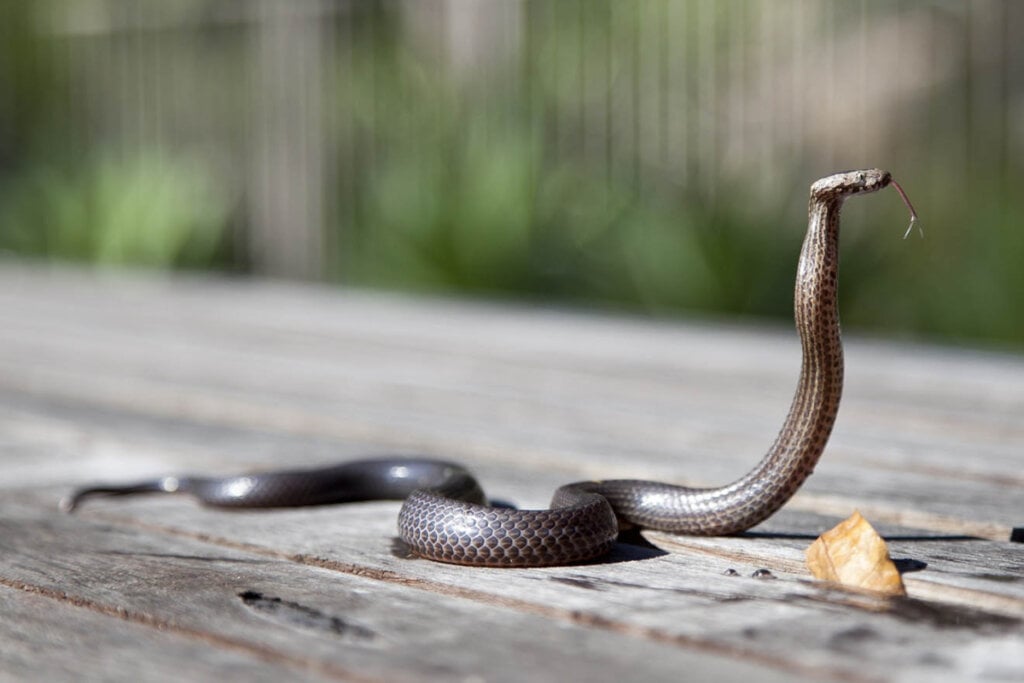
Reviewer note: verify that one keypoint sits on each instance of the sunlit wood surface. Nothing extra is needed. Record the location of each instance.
(117, 378)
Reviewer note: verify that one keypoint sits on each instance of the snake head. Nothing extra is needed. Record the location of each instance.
(847, 183)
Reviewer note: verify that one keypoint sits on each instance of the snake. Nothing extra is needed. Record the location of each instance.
(445, 515)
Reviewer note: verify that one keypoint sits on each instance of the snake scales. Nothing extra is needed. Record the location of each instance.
(445, 516)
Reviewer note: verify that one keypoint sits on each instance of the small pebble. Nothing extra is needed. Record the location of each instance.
(762, 574)
(731, 572)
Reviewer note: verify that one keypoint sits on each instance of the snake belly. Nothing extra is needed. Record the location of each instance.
(444, 516)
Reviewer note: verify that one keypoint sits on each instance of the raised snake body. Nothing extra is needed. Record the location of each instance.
(445, 516)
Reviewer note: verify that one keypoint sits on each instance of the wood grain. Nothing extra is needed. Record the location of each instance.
(125, 377)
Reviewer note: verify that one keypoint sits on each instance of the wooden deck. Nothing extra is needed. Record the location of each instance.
(119, 378)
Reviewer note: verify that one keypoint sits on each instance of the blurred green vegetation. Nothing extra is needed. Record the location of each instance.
(474, 199)
(149, 212)
(510, 185)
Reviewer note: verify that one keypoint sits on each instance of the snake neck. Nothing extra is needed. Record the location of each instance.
(807, 427)
(816, 311)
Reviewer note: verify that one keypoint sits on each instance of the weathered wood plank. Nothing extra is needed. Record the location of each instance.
(683, 598)
(337, 625)
(579, 443)
(44, 638)
(529, 486)
(370, 528)
(695, 383)
(525, 485)
(100, 380)
(973, 489)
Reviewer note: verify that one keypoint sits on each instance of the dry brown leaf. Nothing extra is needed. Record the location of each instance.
(853, 554)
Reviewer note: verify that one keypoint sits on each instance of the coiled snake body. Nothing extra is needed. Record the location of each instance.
(445, 516)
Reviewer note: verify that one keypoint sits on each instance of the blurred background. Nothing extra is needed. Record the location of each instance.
(649, 156)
